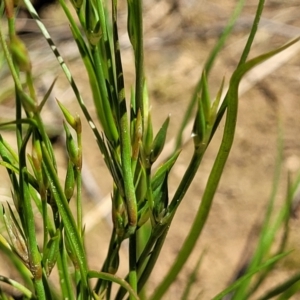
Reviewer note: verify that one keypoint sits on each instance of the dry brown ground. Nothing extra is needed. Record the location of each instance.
(176, 47)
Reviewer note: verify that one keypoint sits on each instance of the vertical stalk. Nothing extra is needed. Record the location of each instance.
(135, 31)
(78, 168)
(78, 203)
(132, 263)
(34, 254)
(64, 274)
(13, 69)
(125, 140)
(106, 118)
(139, 56)
(68, 220)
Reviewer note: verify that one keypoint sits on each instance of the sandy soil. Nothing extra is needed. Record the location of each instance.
(176, 46)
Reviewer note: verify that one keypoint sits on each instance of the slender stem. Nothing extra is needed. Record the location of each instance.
(11, 28)
(47, 288)
(125, 140)
(127, 172)
(140, 264)
(243, 59)
(152, 260)
(26, 292)
(107, 52)
(253, 31)
(29, 223)
(106, 116)
(67, 218)
(116, 279)
(78, 202)
(34, 254)
(132, 263)
(64, 274)
(139, 56)
(45, 218)
(186, 180)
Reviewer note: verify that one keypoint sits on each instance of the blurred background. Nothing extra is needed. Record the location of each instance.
(179, 35)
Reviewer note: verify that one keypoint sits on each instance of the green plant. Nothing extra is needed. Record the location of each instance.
(141, 208)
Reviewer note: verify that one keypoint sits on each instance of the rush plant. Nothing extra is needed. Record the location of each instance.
(142, 208)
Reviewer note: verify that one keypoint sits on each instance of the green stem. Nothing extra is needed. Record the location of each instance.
(140, 264)
(253, 31)
(243, 59)
(143, 278)
(64, 273)
(132, 264)
(106, 115)
(105, 41)
(29, 223)
(39, 289)
(186, 180)
(34, 254)
(11, 27)
(139, 56)
(78, 202)
(114, 278)
(67, 218)
(125, 141)
(45, 219)
(26, 292)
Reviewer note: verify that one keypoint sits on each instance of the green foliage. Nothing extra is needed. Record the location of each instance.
(142, 210)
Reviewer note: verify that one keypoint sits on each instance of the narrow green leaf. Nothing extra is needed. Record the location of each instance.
(205, 97)
(17, 240)
(67, 217)
(113, 278)
(199, 128)
(18, 264)
(93, 28)
(45, 98)
(27, 293)
(51, 252)
(141, 185)
(162, 170)
(148, 137)
(161, 200)
(159, 141)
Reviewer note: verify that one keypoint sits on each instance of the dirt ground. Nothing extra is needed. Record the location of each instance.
(177, 43)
